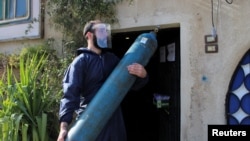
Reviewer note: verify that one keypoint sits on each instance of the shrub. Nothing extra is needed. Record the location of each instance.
(29, 100)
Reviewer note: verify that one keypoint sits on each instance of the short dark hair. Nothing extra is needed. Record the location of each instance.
(89, 26)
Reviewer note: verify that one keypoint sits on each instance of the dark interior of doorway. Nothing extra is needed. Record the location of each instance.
(143, 120)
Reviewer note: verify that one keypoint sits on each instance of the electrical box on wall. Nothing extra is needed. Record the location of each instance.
(211, 48)
(211, 43)
(211, 39)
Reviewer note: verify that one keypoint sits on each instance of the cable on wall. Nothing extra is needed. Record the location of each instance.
(214, 32)
(229, 1)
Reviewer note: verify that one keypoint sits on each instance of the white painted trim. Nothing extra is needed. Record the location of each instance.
(18, 31)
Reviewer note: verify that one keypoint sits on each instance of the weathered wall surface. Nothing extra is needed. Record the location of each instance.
(15, 46)
(204, 77)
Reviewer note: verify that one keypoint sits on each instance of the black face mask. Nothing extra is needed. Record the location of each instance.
(103, 44)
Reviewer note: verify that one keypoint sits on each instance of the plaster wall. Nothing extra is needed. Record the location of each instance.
(48, 31)
(204, 77)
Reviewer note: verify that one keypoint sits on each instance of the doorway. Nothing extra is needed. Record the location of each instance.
(145, 120)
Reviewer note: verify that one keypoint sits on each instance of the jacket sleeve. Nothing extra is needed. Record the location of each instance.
(139, 83)
(72, 84)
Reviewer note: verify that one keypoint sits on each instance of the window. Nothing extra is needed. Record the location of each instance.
(14, 10)
(20, 19)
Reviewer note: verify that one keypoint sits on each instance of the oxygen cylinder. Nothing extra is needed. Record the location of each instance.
(90, 123)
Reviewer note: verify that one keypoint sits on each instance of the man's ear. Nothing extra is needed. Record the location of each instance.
(88, 34)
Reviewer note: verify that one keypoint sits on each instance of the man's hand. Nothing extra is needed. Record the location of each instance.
(63, 131)
(137, 69)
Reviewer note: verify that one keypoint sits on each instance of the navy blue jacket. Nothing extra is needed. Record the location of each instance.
(83, 78)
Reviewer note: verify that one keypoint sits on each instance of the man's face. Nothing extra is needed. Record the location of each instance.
(101, 31)
(102, 35)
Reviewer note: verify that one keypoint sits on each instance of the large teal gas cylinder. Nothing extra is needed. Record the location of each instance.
(90, 123)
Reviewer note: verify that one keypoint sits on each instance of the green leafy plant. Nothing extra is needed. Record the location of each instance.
(28, 98)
